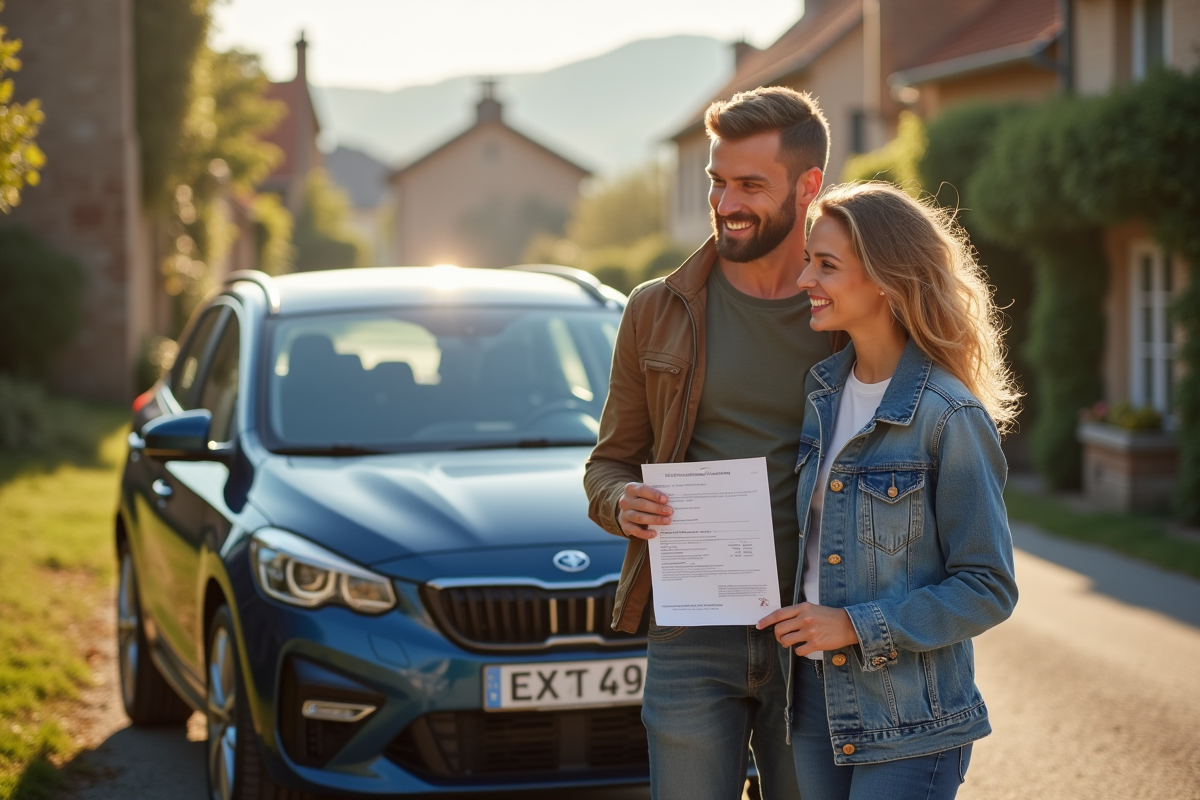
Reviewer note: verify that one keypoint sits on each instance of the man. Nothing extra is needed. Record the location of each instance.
(710, 364)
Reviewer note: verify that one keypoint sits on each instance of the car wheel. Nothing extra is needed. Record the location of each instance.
(233, 752)
(148, 698)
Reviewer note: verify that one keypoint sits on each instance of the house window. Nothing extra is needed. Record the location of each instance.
(858, 131)
(1149, 37)
(1151, 329)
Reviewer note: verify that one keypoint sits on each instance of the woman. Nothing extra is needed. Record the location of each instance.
(906, 551)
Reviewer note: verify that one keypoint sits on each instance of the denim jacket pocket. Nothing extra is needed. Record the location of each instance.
(893, 504)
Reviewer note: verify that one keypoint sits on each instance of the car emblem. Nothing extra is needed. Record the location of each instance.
(571, 560)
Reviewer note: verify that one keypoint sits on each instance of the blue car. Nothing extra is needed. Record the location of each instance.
(352, 532)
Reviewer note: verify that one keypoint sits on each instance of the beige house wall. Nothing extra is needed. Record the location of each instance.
(1095, 44)
(1016, 82)
(688, 218)
(489, 175)
(1183, 50)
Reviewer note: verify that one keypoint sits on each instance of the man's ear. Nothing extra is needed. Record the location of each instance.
(808, 186)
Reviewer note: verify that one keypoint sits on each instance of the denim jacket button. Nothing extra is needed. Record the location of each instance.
(892, 655)
(839, 660)
(835, 559)
(848, 749)
(878, 661)
(835, 485)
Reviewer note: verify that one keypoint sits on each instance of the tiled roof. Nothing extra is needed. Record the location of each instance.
(795, 50)
(1003, 25)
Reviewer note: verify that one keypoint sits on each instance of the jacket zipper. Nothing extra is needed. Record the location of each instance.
(687, 397)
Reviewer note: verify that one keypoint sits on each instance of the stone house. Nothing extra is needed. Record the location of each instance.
(478, 199)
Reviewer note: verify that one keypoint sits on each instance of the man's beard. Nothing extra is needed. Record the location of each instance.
(769, 233)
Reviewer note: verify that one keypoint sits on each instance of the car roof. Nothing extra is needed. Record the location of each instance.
(376, 287)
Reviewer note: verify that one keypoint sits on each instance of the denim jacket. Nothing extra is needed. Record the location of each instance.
(916, 547)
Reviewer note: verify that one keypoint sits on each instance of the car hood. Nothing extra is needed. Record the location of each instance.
(391, 508)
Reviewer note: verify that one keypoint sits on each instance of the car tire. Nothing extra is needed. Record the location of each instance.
(148, 698)
(233, 752)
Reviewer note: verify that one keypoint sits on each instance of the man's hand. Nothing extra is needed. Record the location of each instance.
(810, 628)
(642, 505)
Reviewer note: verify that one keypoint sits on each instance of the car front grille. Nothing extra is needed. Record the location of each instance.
(525, 745)
(526, 618)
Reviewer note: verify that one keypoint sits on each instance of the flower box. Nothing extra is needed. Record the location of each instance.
(1128, 470)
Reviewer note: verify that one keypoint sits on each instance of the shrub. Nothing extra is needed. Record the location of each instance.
(1052, 177)
(40, 294)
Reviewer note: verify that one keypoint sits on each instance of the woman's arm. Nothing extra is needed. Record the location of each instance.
(972, 529)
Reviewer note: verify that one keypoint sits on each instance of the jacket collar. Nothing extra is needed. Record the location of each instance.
(899, 404)
(691, 278)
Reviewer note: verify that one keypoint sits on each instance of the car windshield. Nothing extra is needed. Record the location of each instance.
(438, 378)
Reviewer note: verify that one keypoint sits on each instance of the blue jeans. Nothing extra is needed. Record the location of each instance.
(931, 777)
(710, 693)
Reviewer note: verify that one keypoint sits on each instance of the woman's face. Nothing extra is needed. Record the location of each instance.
(843, 297)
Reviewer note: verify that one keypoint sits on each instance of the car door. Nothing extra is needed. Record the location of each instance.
(158, 507)
(197, 501)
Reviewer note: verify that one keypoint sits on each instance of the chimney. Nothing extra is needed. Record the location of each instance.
(741, 50)
(302, 59)
(488, 109)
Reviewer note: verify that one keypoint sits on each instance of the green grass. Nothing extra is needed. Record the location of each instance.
(1137, 535)
(56, 567)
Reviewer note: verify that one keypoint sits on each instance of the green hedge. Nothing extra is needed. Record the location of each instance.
(1051, 178)
(40, 294)
(956, 143)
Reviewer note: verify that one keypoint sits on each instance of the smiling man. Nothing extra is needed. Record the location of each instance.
(710, 364)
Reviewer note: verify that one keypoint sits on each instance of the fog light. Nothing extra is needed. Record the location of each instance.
(330, 711)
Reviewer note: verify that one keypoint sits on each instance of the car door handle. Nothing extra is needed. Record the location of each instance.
(162, 488)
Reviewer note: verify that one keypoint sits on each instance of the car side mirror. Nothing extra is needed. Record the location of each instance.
(182, 437)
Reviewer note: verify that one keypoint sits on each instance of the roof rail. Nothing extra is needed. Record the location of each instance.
(260, 279)
(607, 295)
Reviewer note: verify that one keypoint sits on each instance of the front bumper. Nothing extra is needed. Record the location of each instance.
(428, 733)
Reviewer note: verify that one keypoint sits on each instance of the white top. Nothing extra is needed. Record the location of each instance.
(857, 406)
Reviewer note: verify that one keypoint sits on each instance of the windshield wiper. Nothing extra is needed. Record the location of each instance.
(331, 450)
(528, 443)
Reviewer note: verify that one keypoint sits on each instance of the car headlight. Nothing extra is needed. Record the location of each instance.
(293, 570)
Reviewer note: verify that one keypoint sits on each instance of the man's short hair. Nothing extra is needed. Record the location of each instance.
(803, 129)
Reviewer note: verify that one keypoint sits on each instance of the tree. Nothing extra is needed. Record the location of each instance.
(168, 35)
(219, 158)
(20, 158)
(323, 237)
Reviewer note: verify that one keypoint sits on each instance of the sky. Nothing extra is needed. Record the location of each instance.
(389, 44)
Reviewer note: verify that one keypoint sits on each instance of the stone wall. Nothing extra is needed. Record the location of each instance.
(78, 59)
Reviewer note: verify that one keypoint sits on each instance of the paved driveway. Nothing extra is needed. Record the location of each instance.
(1093, 686)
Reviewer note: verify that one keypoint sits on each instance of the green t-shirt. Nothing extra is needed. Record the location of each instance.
(752, 402)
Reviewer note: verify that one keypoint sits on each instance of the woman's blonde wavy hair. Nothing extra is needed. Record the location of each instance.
(922, 258)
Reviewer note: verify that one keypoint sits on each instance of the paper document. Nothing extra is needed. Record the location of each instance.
(715, 563)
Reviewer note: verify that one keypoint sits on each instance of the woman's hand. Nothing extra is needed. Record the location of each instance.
(810, 628)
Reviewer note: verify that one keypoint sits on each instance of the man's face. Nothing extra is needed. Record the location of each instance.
(752, 201)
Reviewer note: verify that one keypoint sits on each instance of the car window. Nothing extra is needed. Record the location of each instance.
(219, 394)
(439, 378)
(186, 368)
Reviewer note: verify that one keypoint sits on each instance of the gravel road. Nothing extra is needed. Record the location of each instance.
(1093, 687)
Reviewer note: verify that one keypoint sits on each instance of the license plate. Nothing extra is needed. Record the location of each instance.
(565, 684)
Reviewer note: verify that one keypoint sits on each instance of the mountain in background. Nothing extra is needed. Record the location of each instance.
(609, 113)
